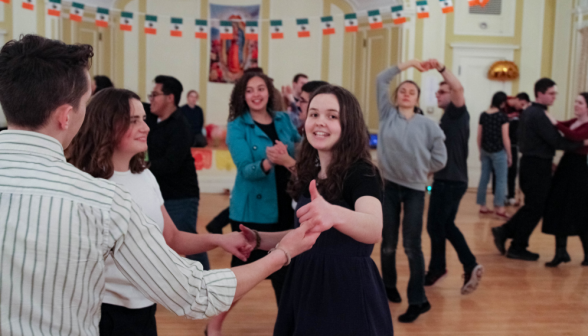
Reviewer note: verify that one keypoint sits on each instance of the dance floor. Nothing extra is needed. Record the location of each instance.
(514, 297)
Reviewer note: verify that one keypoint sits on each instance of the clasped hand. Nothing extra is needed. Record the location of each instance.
(318, 215)
(278, 154)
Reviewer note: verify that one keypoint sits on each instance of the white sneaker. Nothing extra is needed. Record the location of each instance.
(472, 280)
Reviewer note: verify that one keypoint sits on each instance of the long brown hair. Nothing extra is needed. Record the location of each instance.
(108, 117)
(353, 146)
(238, 106)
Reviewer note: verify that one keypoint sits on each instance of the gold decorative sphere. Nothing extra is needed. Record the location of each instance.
(503, 71)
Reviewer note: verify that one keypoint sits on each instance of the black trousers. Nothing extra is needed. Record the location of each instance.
(122, 321)
(535, 180)
(513, 171)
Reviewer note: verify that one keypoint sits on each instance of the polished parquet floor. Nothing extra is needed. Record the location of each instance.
(514, 298)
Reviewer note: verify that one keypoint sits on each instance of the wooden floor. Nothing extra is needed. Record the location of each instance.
(514, 298)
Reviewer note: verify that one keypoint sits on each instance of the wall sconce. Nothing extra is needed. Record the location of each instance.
(503, 71)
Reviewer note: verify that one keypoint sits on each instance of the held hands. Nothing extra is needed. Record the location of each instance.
(318, 215)
(238, 244)
(424, 66)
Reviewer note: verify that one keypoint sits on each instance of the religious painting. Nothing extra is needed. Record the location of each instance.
(231, 53)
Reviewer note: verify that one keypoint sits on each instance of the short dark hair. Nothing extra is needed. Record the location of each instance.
(170, 85)
(313, 85)
(524, 96)
(498, 99)
(297, 77)
(253, 70)
(37, 75)
(543, 85)
(102, 82)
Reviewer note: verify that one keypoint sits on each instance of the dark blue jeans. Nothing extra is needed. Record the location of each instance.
(443, 206)
(412, 227)
(184, 213)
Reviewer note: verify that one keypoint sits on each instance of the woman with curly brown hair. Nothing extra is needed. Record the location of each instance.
(256, 134)
(111, 144)
(335, 288)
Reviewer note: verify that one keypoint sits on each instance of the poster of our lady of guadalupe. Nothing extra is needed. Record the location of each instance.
(231, 52)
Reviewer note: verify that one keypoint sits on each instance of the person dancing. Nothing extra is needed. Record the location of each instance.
(112, 144)
(450, 184)
(257, 136)
(566, 213)
(410, 146)
(335, 288)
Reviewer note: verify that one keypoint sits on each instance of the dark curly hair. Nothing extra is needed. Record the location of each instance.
(238, 105)
(108, 117)
(353, 146)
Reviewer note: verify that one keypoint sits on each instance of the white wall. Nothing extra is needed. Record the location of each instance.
(562, 38)
(24, 21)
(131, 52)
(293, 55)
(336, 47)
(174, 56)
(531, 44)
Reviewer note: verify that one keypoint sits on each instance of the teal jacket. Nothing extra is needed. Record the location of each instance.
(254, 198)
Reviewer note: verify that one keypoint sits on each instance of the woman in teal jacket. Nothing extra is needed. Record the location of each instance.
(261, 142)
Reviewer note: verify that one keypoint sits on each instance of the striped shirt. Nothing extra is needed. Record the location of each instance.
(58, 224)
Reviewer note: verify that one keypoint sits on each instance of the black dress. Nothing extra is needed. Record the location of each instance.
(335, 287)
(566, 213)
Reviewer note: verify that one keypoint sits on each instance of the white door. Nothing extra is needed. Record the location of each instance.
(471, 64)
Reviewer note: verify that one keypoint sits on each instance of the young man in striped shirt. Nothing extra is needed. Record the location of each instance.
(57, 224)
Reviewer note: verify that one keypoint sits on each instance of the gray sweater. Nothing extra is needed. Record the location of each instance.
(408, 150)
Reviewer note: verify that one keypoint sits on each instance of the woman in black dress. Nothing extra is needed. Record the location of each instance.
(567, 211)
(335, 288)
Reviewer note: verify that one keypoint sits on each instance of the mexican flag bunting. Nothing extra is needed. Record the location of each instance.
(375, 19)
(150, 24)
(28, 4)
(277, 29)
(5, 1)
(102, 17)
(126, 21)
(303, 30)
(481, 3)
(54, 8)
(328, 27)
(446, 6)
(201, 29)
(351, 23)
(422, 9)
(176, 27)
(251, 30)
(398, 15)
(76, 12)
(226, 30)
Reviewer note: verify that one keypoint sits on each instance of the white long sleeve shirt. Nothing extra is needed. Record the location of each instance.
(58, 224)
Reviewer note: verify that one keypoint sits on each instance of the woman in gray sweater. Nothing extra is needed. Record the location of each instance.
(410, 147)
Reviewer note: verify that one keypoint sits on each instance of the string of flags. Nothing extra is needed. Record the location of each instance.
(127, 23)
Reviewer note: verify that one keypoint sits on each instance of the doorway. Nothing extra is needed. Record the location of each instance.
(471, 64)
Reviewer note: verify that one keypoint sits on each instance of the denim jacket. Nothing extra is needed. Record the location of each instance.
(254, 197)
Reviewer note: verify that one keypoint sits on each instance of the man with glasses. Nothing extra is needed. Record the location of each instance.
(450, 184)
(170, 156)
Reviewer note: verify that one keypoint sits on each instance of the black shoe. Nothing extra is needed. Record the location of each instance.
(499, 239)
(521, 255)
(393, 295)
(472, 279)
(561, 255)
(431, 278)
(414, 311)
(217, 224)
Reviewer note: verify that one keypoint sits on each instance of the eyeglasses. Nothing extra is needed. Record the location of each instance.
(152, 95)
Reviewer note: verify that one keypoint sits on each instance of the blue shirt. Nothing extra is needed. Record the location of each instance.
(254, 197)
